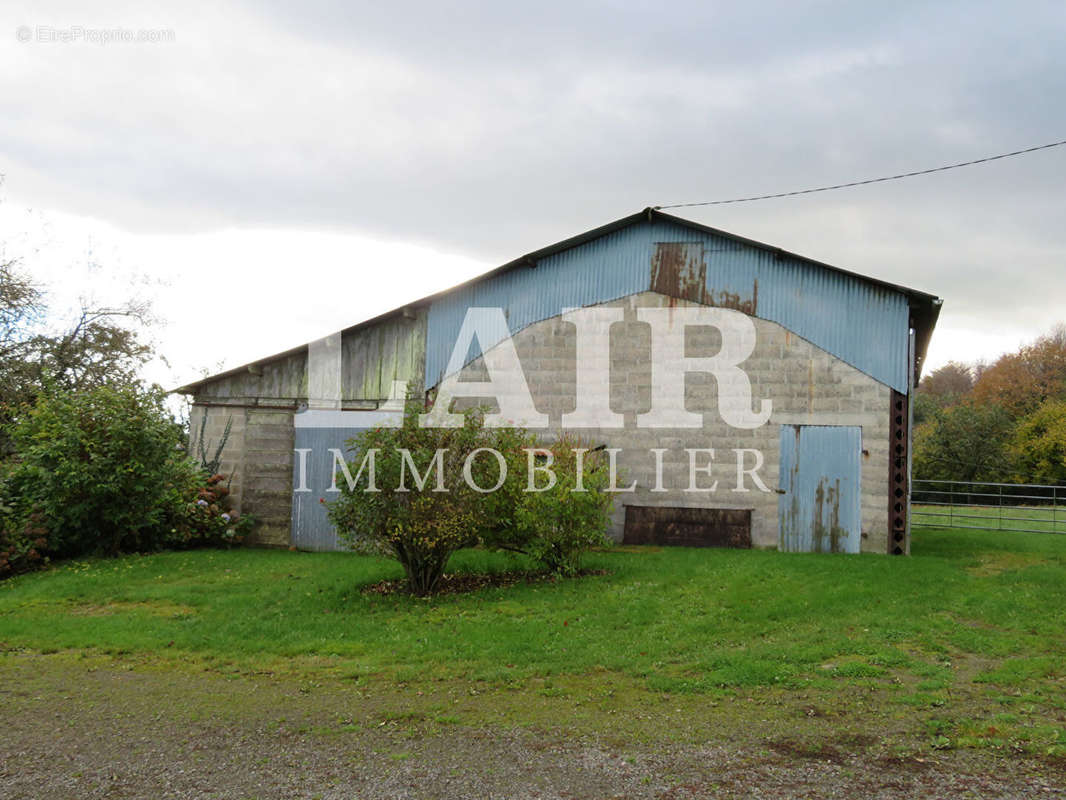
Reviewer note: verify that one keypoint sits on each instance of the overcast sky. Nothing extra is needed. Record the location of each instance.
(270, 172)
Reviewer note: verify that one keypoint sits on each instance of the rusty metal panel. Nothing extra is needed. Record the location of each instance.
(688, 527)
(678, 269)
(820, 471)
(603, 269)
(862, 323)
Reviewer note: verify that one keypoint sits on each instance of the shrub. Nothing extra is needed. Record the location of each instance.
(561, 523)
(23, 542)
(418, 526)
(1040, 444)
(421, 526)
(99, 465)
(543, 516)
(103, 471)
(553, 524)
(203, 516)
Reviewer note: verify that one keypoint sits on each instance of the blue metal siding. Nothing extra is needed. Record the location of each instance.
(318, 431)
(820, 469)
(860, 323)
(604, 269)
(311, 528)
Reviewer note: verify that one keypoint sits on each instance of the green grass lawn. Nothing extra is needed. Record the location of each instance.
(973, 612)
(681, 619)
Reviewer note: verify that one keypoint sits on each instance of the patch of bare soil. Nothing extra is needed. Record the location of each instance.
(461, 583)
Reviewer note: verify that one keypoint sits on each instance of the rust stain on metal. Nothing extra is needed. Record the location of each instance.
(678, 270)
(734, 301)
(688, 527)
(827, 536)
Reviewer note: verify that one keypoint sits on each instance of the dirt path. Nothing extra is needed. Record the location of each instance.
(75, 730)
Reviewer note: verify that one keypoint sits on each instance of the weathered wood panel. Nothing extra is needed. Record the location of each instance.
(392, 350)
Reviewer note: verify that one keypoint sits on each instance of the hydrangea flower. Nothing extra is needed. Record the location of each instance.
(226, 517)
(201, 502)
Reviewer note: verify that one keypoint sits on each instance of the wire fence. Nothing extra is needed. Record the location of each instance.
(1028, 507)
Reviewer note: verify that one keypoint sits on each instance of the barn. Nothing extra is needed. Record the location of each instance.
(750, 397)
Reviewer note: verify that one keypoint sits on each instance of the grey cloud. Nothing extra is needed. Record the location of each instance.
(493, 128)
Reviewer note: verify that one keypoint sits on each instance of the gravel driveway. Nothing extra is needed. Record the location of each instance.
(79, 731)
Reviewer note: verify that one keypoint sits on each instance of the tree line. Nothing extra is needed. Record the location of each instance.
(1000, 422)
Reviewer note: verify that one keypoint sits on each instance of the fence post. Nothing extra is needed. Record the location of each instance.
(951, 505)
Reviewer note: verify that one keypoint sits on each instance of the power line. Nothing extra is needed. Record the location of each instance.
(869, 181)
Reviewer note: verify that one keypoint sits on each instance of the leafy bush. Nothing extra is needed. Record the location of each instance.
(422, 526)
(23, 542)
(561, 511)
(204, 517)
(100, 465)
(103, 471)
(473, 492)
(968, 442)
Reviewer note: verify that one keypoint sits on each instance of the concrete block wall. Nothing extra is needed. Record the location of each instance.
(806, 384)
(268, 454)
(232, 453)
(258, 455)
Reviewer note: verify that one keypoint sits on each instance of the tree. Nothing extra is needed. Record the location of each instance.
(96, 349)
(1040, 444)
(419, 494)
(21, 310)
(99, 347)
(925, 408)
(942, 388)
(1021, 382)
(949, 384)
(967, 442)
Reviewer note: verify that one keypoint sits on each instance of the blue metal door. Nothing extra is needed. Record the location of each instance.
(313, 474)
(819, 507)
(317, 435)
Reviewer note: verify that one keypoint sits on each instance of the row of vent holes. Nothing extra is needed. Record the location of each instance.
(898, 521)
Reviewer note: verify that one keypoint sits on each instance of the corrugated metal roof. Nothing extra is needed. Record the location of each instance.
(858, 298)
(861, 322)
